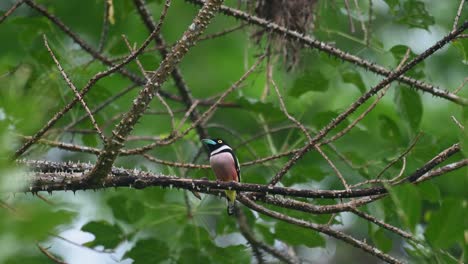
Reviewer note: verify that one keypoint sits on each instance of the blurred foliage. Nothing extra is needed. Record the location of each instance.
(153, 225)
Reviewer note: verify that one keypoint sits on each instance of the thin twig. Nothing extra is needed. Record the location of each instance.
(461, 86)
(74, 89)
(381, 223)
(11, 10)
(457, 16)
(79, 245)
(363, 23)
(175, 164)
(101, 106)
(350, 18)
(50, 255)
(222, 33)
(333, 166)
(458, 123)
(105, 26)
(369, 23)
(402, 155)
(148, 79)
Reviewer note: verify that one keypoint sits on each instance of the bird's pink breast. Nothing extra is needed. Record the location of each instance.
(224, 167)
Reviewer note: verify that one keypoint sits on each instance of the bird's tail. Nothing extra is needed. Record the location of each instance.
(231, 198)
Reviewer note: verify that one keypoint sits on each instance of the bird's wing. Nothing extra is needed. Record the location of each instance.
(236, 161)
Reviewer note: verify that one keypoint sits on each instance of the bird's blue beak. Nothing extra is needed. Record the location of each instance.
(207, 141)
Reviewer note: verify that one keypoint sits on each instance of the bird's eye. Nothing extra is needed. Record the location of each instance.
(220, 141)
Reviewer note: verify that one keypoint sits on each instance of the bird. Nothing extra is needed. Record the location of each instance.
(225, 166)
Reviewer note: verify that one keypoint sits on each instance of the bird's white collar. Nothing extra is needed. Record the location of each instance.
(216, 151)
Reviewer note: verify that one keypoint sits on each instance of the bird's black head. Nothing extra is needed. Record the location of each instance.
(214, 144)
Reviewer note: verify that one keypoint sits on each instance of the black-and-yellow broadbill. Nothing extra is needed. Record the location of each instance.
(225, 166)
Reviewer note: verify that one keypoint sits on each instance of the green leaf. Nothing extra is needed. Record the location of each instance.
(409, 106)
(90, 140)
(232, 254)
(392, 3)
(412, 13)
(355, 78)
(382, 241)
(389, 129)
(462, 46)
(257, 106)
(21, 259)
(407, 203)
(294, 235)
(446, 226)
(193, 255)
(264, 230)
(309, 81)
(429, 191)
(105, 234)
(39, 222)
(126, 209)
(148, 251)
